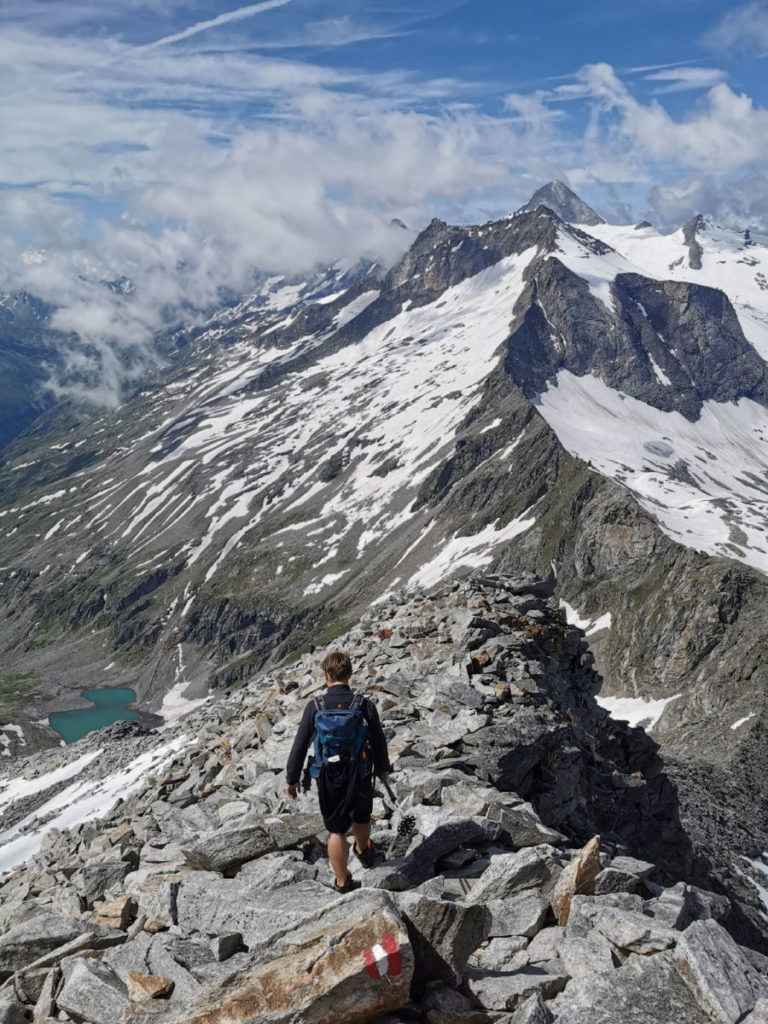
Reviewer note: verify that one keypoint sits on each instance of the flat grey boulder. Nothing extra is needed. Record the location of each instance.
(229, 847)
(631, 931)
(611, 879)
(510, 873)
(717, 972)
(41, 934)
(504, 990)
(523, 914)
(93, 993)
(650, 992)
(583, 957)
(504, 953)
(210, 905)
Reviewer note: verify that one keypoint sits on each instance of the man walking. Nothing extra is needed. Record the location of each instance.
(350, 748)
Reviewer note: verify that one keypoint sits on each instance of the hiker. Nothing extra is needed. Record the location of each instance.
(350, 748)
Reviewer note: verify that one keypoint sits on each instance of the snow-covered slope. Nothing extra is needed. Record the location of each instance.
(705, 482)
(321, 445)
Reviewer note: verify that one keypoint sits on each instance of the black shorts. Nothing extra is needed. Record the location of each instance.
(337, 809)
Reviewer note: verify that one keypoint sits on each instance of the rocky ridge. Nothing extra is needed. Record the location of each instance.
(548, 873)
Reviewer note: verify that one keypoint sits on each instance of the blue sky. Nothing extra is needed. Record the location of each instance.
(185, 142)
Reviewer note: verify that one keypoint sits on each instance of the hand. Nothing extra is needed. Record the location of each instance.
(384, 776)
(292, 791)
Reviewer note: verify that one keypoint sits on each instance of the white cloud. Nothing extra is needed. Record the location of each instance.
(723, 133)
(742, 29)
(184, 166)
(682, 79)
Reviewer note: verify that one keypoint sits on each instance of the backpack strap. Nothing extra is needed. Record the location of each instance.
(319, 703)
(358, 703)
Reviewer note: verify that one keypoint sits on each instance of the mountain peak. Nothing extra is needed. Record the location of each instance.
(556, 196)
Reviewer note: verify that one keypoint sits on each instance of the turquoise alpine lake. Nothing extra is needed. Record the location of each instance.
(108, 706)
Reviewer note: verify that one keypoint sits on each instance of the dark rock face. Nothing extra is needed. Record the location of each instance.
(557, 197)
(691, 332)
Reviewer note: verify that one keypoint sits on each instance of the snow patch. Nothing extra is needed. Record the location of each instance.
(82, 801)
(642, 711)
(741, 721)
(473, 551)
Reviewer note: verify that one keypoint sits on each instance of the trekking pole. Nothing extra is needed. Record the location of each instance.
(407, 826)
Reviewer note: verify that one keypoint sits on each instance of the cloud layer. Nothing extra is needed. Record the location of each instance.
(185, 161)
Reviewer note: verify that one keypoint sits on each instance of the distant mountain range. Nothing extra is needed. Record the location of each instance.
(546, 393)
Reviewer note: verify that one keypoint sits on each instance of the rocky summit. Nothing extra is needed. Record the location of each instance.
(537, 859)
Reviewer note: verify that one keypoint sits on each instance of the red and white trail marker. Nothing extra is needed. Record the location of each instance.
(383, 958)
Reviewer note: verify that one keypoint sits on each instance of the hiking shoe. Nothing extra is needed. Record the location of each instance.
(366, 856)
(349, 886)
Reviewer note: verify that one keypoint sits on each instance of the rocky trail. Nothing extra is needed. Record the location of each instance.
(552, 873)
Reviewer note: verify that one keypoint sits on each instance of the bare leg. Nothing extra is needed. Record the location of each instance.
(362, 834)
(338, 855)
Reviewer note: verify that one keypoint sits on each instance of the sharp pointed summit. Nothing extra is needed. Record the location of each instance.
(556, 196)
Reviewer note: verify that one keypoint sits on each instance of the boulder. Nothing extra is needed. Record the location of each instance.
(578, 877)
(351, 961)
(510, 873)
(505, 990)
(632, 932)
(147, 986)
(96, 880)
(424, 852)
(227, 848)
(225, 946)
(116, 913)
(27, 942)
(716, 971)
(582, 957)
(649, 992)
(290, 830)
(521, 826)
(148, 954)
(504, 953)
(93, 993)
(44, 1007)
(443, 934)
(443, 1005)
(610, 879)
(210, 905)
(545, 945)
(523, 914)
(641, 869)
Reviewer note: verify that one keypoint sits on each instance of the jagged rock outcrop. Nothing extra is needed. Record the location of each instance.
(501, 901)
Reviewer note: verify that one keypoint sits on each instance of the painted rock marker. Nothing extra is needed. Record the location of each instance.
(383, 958)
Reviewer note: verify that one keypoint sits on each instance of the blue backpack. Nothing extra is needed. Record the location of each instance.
(340, 734)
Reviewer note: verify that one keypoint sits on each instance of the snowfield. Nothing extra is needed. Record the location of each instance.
(719, 505)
